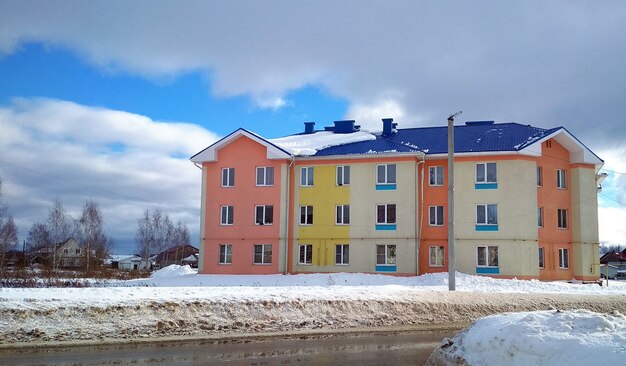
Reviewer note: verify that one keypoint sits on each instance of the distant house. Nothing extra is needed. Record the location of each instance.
(180, 254)
(67, 254)
(613, 264)
(129, 262)
(70, 254)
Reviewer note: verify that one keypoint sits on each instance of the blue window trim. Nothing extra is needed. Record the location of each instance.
(386, 268)
(486, 227)
(486, 186)
(487, 270)
(385, 187)
(385, 226)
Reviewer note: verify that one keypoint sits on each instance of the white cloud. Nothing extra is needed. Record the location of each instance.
(126, 162)
(370, 116)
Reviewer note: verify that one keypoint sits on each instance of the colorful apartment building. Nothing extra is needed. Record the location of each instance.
(345, 200)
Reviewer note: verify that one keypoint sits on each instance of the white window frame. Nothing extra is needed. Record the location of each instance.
(433, 176)
(264, 215)
(561, 219)
(563, 258)
(484, 167)
(387, 222)
(391, 259)
(225, 256)
(540, 217)
(228, 177)
(227, 212)
(436, 213)
(342, 258)
(264, 254)
(485, 208)
(307, 176)
(488, 256)
(342, 215)
(305, 254)
(308, 212)
(542, 257)
(265, 173)
(343, 175)
(439, 256)
(386, 179)
(561, 178)
(539, 176)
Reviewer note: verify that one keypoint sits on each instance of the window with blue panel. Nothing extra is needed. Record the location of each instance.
(486, 176)
(386, 177)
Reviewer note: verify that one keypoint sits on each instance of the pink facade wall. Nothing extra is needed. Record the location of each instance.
(245, 155)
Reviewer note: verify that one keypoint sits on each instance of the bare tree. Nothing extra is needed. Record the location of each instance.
(155, 233)
(96, 243)
(38, 237)
(181, 238)
(8, 230)
(60, 227)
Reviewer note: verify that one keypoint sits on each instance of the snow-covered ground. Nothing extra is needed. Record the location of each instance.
(176, 301)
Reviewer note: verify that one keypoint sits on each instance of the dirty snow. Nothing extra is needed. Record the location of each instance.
(176, 302)
(306, 145)
(575, 337)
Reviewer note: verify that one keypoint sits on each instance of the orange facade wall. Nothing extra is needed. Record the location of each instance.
(551, 238)
(245, 155)
(433, 235)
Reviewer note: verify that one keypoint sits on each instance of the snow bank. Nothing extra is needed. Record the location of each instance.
(576, 337)
(173, 270)
(306, 145)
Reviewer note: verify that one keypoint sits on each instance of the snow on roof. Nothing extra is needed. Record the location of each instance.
(310, 144)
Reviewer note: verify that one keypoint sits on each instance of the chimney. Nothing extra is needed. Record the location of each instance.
(345, 126)
(388, 126)
(309, 128)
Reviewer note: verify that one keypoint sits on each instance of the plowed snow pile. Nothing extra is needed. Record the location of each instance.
(173, 303)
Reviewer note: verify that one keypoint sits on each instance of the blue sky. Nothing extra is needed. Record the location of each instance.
(107, 100)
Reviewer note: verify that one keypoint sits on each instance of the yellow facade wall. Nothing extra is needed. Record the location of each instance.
(585, 237)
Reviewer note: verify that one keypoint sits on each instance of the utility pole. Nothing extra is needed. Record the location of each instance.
(451, 258)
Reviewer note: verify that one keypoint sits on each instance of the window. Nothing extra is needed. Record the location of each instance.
(227, 215)
(386, 174)
(561, 178)
(435, 176)
(306, 176)
(487, 214)
(306, 215)
(435, 255)
(540, 217)
(539, 176)
(264, 215)
(563, 258)
(486, 173)
(66, 251)
(305, 254)
(386, 214)
(342, 254)
(343, 215)
(228, 177)
(77, 251)
(487, 256)
(343, 175)
(386, 254)
(226, 253)
(562, 218)
(541, 258)
(265, 176)
(435, 215)
(262, 254)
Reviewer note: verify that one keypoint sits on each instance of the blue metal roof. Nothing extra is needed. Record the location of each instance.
(482, 136)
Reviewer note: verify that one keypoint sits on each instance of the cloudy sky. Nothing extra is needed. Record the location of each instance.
(107, 100)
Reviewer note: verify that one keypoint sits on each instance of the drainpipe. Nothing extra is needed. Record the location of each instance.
(419, 209)
(286, 235)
